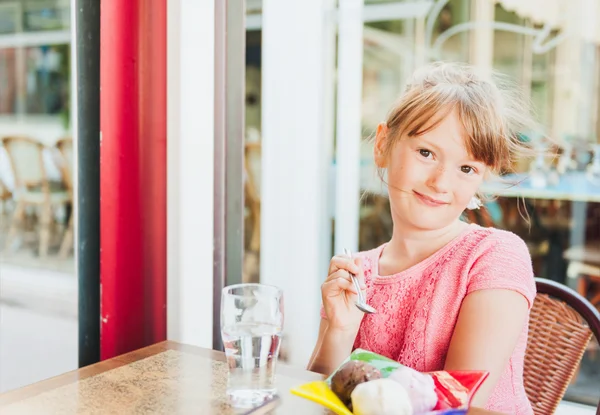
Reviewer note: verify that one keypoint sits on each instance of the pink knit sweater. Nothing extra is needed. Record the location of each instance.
(418, 308)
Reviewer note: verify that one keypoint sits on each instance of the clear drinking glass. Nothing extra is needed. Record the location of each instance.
(251, 326)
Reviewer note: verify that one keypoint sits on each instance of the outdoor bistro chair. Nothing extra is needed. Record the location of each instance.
(32, 187)
(65, 163)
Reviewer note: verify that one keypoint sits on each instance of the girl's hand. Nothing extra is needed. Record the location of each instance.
(339, 295)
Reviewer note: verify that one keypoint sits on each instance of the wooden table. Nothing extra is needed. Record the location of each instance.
(166, 378)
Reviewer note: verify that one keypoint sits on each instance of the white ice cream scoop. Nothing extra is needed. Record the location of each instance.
(381, 397)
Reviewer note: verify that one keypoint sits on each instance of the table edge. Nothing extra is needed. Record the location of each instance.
(37, 388)
(72, 376)
(34, 389)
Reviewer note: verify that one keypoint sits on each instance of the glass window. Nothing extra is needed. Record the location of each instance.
(387, 1)
(456, 47)
(542, 86)
(46, 15)
(9, 18)
(509, 47)
(43, 86)
(253, 6)
(8, 81)
(47, 79)
(36, 163)
(35, 77)
(253, 85)
(388, 60)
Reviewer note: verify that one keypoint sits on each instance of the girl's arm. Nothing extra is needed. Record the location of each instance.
(340, 319)
(332, 347)
(489, 324)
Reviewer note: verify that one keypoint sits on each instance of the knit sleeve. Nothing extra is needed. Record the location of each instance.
(503, 262)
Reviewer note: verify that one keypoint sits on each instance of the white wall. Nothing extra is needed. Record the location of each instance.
(349, 124)
(190, 142)
(296, 153)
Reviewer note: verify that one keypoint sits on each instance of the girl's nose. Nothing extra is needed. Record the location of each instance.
(439, 180)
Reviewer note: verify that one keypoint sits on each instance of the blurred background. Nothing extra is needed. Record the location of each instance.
(364, 53)
(38, 285)
(548, 49)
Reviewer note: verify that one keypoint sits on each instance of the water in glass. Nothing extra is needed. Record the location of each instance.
(251, 326)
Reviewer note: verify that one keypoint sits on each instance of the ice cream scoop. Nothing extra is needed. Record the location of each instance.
(381, 397)
(419, 386)
(352, 373)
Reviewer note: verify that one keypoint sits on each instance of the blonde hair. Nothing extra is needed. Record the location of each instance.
(492, 112)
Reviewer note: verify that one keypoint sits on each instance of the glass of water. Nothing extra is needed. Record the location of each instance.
(251, 326)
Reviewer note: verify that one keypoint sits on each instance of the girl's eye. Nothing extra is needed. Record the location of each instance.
(425, 153)
(467, 169)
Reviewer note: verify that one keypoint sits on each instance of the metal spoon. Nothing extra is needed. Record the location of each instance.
(361, 304)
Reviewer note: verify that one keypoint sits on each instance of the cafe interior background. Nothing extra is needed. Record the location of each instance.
(549, 48)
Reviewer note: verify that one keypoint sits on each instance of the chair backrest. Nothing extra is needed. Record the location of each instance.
(560, 327)
(5, 193)
(27, 161)
(65, 148)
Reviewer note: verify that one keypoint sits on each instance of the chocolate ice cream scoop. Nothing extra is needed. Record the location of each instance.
(352, 373)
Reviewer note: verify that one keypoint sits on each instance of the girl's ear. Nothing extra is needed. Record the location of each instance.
(380, 142)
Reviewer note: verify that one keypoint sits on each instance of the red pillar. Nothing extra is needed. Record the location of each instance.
(132, 174)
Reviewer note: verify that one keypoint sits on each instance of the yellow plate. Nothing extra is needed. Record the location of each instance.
(320, 393)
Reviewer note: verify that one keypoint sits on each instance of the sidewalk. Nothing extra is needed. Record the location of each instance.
(34, 346)
(39, 289)
(38, 325)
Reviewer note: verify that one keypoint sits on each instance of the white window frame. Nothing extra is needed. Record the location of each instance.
(29, 39)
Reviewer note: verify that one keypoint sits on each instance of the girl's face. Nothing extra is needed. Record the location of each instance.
(432, 177)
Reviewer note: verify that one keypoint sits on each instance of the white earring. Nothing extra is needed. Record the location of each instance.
(474, 203)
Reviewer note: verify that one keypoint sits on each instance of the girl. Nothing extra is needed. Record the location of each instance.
(449, 295)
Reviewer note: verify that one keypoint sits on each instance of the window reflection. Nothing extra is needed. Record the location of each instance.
(8, 81)
(38, 299)
(509, 47)
(47, 79)
(46, 15)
